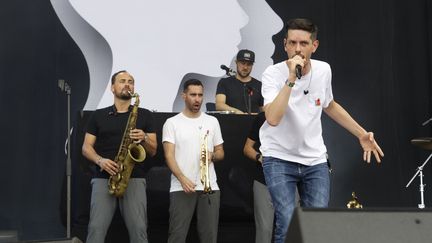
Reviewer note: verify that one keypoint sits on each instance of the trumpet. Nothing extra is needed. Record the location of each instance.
(204, 165)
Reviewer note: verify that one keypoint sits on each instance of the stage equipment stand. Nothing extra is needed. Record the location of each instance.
(424, 143)
(65, 87)
(420, 174)
(427, 121)
(249, 94)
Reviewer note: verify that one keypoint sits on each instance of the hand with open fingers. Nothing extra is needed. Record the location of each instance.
(370, 146)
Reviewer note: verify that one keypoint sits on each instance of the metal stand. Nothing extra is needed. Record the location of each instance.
(427, 121)
(249, 102)
(248, 90)
(422, 186)
(65, 87)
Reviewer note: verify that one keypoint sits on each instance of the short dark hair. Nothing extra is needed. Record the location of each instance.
(113, 77)
(190, 82)
(302, 24)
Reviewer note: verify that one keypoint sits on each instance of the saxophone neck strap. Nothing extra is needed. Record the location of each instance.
(113, 110)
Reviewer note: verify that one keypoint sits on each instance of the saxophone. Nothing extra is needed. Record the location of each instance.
(204, 165)
(129, 153)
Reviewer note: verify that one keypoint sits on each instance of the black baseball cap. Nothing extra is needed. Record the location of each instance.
(246, 55)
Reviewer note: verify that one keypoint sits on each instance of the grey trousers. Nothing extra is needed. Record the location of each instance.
(263, 213)
(182, 207)
(133, 207)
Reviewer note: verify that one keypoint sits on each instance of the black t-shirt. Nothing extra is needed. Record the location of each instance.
(254, 135)
(108, 126)
(237, 93)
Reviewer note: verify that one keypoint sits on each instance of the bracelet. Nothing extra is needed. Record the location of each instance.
(145, 137)
(289, 84)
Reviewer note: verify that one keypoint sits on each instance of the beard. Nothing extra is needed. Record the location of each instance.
(124, 95)
(243, 74)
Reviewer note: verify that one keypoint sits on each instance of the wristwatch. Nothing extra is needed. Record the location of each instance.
(289, 84)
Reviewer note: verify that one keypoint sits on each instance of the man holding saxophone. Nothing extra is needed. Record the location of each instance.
(192, 141)
(111, 133)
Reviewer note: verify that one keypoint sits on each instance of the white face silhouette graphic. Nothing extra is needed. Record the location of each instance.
(158, 42)
(256, 36)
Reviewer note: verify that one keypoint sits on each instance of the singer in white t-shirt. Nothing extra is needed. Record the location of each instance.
(295, 93)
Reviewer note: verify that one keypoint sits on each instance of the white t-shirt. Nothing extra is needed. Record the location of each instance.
(298, 137)
(187, 135)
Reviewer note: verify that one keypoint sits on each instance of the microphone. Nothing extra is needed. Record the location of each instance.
(298, 70)
(251, 89)
(228, 71)
(64, 86)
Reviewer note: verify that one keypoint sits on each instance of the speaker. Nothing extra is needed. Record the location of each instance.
(8, 236)
(360, 225)
(65, 240)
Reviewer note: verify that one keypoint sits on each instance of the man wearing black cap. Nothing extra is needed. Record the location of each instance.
(240, 93)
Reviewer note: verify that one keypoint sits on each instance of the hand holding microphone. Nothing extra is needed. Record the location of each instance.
(298, 61)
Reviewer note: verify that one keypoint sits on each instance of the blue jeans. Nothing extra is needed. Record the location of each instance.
(282, 177)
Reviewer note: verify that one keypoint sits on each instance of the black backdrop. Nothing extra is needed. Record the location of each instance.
(380, 53)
